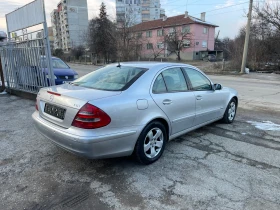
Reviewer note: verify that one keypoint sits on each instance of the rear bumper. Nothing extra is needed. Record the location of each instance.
(93, 147)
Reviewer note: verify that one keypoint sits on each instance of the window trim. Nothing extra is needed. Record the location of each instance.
(189, 81)
(204, 42)
(150, 46)
(150, 32)
(205, 31)
(167, 91)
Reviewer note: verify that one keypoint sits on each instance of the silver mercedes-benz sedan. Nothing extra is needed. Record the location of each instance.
(131, 108)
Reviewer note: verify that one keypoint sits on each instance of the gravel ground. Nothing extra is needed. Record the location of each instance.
(216, 167)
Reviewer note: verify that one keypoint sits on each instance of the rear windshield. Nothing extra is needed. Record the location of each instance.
(57, 64)
(111, 78)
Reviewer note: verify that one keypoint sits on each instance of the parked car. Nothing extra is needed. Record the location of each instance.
(62, 72)
(34, 75)
(129, 108)
(212, 58)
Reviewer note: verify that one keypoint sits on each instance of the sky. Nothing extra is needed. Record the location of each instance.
(229, 15)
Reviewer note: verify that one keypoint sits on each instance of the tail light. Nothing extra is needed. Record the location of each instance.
(91, 117)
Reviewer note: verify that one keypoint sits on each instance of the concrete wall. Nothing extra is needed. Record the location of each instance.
(199, 37)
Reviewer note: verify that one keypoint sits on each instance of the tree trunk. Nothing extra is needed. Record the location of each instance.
(179, 56)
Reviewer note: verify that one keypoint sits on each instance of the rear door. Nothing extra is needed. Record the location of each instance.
(209, 102)
(172, 95)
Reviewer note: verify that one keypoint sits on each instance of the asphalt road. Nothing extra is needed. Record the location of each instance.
(216, 167)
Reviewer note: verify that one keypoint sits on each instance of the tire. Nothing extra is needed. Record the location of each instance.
(230, 112)
(153, 138)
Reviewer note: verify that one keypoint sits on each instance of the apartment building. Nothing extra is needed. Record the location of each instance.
(137, 11)
(69, 23)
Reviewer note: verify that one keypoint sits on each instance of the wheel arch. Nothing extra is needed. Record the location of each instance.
(163, 121)
(236, 98)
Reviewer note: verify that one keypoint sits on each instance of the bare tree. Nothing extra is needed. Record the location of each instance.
(176, 39)
(269, 13)
(129, 41)
(78, 51)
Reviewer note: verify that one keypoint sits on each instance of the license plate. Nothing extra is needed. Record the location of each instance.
(55, 111)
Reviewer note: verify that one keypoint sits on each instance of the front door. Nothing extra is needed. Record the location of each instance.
(209, 102)
(172, 95)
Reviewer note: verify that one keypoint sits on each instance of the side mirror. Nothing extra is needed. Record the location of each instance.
(218, 87)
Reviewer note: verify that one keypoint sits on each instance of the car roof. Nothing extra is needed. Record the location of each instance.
(153, 64)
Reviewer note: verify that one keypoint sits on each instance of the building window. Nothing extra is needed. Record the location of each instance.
(172, 30)
(205, 30)
(160, 32)
(149, 34)
(145, 16)
(186, 43)
(186, 29)
(204, 44)
(149, 46)
(139, 35)
(139, 47)
(160, 45)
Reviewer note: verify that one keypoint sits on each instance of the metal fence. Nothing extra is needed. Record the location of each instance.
(25, 64)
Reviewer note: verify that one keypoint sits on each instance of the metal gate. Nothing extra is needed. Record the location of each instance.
(25, 64)
(26, 59)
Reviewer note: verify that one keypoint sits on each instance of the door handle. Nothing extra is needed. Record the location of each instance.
(167, 102)
(199, 98)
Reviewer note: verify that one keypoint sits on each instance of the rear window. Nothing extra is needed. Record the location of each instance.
(57, 64)
(111, 78)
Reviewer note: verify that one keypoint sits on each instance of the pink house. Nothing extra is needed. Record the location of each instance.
(196, 36)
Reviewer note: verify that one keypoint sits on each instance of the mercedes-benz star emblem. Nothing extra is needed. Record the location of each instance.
(66, 77)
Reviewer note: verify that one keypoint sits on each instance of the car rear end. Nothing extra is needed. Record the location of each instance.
(84, 121)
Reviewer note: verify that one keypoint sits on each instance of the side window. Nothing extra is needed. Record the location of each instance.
(174, 80)
(159, 85)
(199, 81)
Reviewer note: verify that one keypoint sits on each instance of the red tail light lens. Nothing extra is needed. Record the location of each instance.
(91, 117)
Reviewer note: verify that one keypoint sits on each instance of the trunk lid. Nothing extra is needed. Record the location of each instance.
(69, 99)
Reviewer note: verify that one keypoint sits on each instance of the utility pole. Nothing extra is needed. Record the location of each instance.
(245, 52)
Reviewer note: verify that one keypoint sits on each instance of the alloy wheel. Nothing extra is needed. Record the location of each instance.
(231, 111)
(153, 142)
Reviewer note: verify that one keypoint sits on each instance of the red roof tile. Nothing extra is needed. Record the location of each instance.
(169, 22)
